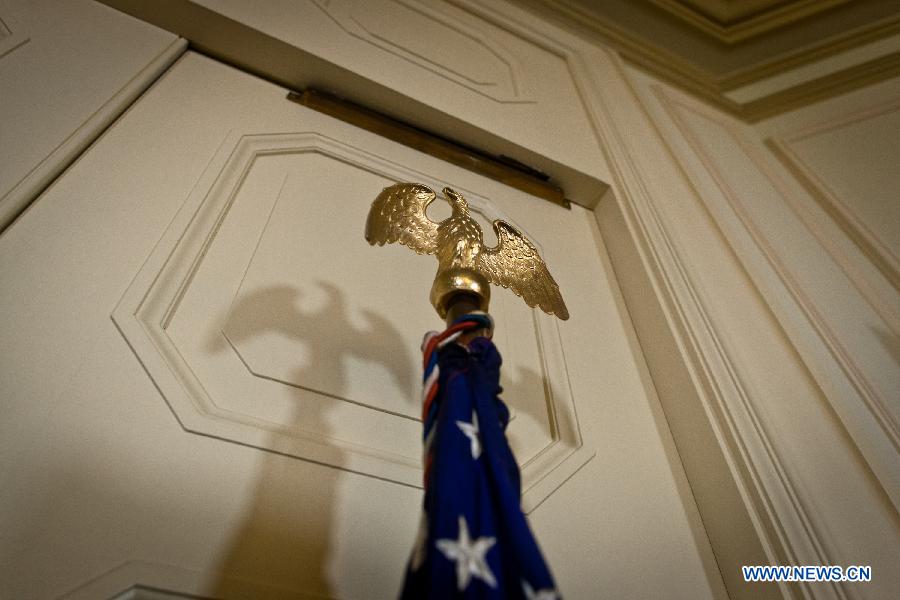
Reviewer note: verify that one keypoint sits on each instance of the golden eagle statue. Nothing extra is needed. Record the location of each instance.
(465, 264)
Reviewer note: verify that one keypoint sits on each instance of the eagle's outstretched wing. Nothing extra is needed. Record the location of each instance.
(398, 214)
(515, 264)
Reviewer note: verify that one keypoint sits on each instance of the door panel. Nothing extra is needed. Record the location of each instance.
(55, 99)
(261, 436)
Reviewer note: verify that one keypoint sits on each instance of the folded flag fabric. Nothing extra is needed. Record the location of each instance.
(474, 541)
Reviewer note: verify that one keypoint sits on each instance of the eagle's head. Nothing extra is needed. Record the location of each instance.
(458, 203)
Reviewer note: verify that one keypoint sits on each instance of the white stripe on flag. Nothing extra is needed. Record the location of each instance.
(430, 381)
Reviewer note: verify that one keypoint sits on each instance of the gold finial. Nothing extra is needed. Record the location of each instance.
(465, 264)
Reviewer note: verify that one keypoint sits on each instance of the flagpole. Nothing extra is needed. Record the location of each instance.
(461, 304)
(464, 304)
(472, 530)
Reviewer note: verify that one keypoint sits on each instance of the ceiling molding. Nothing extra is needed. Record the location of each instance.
(850, 40)
(596, 26)
(820, 89)
(709, 16)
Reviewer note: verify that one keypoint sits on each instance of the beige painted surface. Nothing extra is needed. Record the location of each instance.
(844, 152)
(452, 68)
(701, 448)
(432, 51)
(857, 160)
(67, 70)
(819, 371)
(129, 459)
(760, 282)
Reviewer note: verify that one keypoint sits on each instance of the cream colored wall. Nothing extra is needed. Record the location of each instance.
(435, 64)
(805, 205)
(762, 288)
(844, 155)
(167, 450)
(105, 488)
(67, 70)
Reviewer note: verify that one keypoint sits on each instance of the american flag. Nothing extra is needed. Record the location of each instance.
(473, 540)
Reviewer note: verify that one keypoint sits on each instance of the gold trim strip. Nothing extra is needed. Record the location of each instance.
(500, 169)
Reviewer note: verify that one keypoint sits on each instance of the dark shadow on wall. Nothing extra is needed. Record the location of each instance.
(522, 382)
(282, 545)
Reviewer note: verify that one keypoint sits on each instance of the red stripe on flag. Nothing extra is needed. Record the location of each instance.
(426, 406)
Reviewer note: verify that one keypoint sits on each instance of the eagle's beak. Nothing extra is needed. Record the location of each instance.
(451, 194)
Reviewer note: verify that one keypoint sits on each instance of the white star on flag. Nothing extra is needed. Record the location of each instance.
(471, 431)
(532, 594)
(469, 556)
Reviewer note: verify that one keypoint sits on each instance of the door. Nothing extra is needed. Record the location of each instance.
(211, 381)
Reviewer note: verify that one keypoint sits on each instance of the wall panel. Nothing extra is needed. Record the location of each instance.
(67, 70)
(241, 426)
(829, 314)
(768, 318)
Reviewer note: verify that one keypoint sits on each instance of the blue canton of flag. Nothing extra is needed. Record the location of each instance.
(474, 540)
